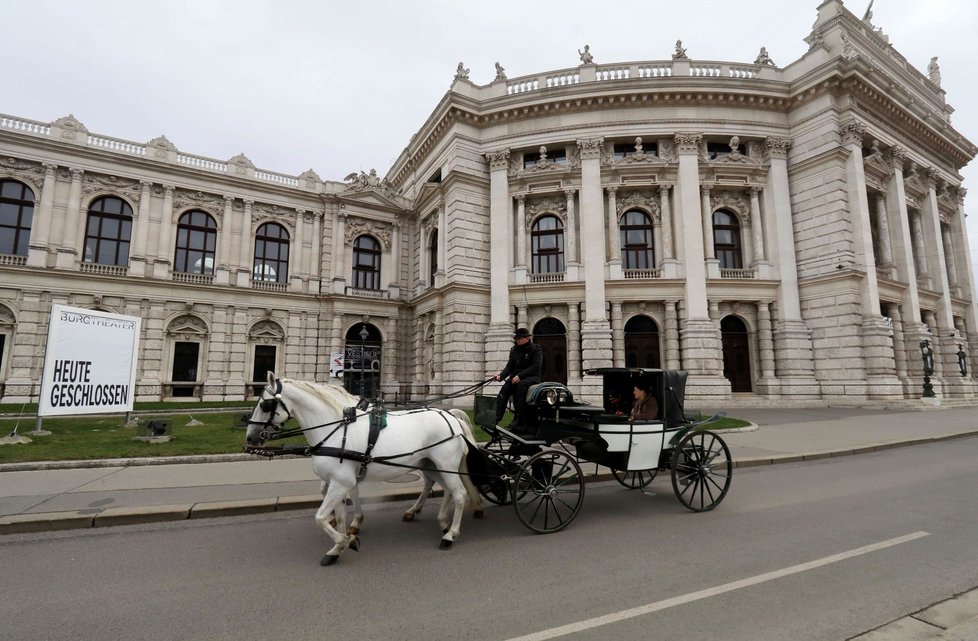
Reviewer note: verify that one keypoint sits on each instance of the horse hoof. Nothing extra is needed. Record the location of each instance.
(329, 559)
(407, 517)
(478, 514)
(445, 545)
(355, 544)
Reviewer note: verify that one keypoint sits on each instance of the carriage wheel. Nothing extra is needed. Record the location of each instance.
(549, 491)
(635, 480)
(701, 470)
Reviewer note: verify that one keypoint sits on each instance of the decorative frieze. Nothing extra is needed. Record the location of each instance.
(99, 184)
(358, 226)
(211, 203)
(645, 201)
(555, 206)
(732, 200)
(28, 172)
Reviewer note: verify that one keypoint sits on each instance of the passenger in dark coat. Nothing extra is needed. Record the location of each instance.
(522, 370)
(645, 408)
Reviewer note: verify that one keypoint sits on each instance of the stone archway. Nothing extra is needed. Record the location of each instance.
(736, 354)
(551, 335)
(642, 343)
(361, 373)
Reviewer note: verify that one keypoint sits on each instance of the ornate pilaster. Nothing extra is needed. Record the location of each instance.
(756, 224)
(245, 247)
(617, 336)
(666, 209)
(37, 252)
(499, 333)
(614, 241)
(571, 248)
(339, 252)
(573, 343)
(521, 233)
(69, 248)
(707, 213)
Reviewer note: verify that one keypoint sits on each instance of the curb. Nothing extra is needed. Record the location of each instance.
(54, 521)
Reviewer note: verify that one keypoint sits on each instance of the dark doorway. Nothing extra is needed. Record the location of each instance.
(642, 343)
(264, 363)
(185, 359)
(361, 363)
(551, 336)
(736, 354)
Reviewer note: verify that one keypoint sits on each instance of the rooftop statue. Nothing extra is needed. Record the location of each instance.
(500, 72)
(680, 52)
(461, 73)
(586, 57)
(934, 71)
(763, 58)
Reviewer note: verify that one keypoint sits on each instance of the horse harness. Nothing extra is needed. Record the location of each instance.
(378, 421)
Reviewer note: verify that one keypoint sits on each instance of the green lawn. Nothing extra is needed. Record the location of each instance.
(99, 437)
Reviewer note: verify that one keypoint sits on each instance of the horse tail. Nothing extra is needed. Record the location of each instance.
(473, 459)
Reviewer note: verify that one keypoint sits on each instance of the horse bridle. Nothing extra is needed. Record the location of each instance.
(270, 406)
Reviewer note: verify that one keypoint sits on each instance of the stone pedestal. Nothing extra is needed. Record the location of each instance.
(880, 367)
(596, 351)
(794, 362)
(702, 358)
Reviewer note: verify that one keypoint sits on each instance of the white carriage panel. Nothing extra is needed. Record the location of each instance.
(646, 446)
(617, 435)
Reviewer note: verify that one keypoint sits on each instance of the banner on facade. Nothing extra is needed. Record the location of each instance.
(90, 362)
(336, 364)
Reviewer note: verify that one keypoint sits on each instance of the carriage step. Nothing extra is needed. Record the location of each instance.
(526, 440)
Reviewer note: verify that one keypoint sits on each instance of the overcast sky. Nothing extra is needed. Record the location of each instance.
(341, 86)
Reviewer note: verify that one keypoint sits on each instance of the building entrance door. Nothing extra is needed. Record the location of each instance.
(736, 354)
(551, 336)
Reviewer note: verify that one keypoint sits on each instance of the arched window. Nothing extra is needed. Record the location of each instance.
(726, 240)
(196, 239)
(16, 216)
(637, 250)
(551, 335)
(366, 263)
(432, 256)
(108, 232)
(547, 236)
(272, 253)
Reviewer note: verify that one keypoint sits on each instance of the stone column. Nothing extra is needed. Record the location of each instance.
(439, 346)
(952, 272)
(765, 340)
(315, 257)
(937, 344)
(883, 229)
(707, 213)
(395, 280)
(297, 253)
(919, 253)
(792, 338)
(441, 273)
(499, 334)
(756, 225)
(138, 258)
(68, 250)
(521, 315)
(573, 343)
(670, 265)
(520, 227)
(571, 249)
(595, 330)
(614, 234)
(339, 253)
(672, 335)
(419, 373)
(246, 248)
(164, 251)
(906, 262)
(617, 336)
(224, 242)
(700, 340)
(899, 345)
(944, 314)
(968, 284)
(37, 251)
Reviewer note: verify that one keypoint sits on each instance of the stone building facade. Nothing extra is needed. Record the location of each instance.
(787, 233)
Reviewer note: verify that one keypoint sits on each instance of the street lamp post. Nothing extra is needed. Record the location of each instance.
(363, 356)
(927, 355)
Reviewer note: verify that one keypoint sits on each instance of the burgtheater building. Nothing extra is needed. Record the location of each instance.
(784, 233)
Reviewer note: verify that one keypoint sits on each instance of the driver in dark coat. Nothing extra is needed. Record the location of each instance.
(522, 370)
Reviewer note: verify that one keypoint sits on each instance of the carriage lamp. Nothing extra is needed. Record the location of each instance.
(363, 356)
(927, 356)
(962, 362)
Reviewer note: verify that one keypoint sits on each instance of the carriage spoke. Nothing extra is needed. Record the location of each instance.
(702, 464)
(549, 490)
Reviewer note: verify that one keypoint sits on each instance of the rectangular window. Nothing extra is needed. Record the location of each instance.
(185, 359)
(264, 362)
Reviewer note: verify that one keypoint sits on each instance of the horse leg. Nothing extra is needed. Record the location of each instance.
(333, 504)
(425, 493)
(354, 530)
(454, 489)
(443, 520)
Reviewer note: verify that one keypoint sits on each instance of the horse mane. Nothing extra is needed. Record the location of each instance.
(334, 396)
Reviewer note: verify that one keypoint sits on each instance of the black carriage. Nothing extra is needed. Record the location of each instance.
(539, 471)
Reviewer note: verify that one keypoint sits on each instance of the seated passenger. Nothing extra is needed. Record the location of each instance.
(617, 405)
(645, 408)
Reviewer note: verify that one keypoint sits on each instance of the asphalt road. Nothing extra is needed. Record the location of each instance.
(818, 550)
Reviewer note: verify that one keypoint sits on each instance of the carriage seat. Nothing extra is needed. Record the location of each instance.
(534, 392)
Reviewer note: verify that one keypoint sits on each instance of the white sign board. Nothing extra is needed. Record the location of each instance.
(90, 364)
(336, 364)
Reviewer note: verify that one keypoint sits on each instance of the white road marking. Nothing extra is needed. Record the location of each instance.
(631, 613)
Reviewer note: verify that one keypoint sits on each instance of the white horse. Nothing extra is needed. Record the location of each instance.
(433, 441)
